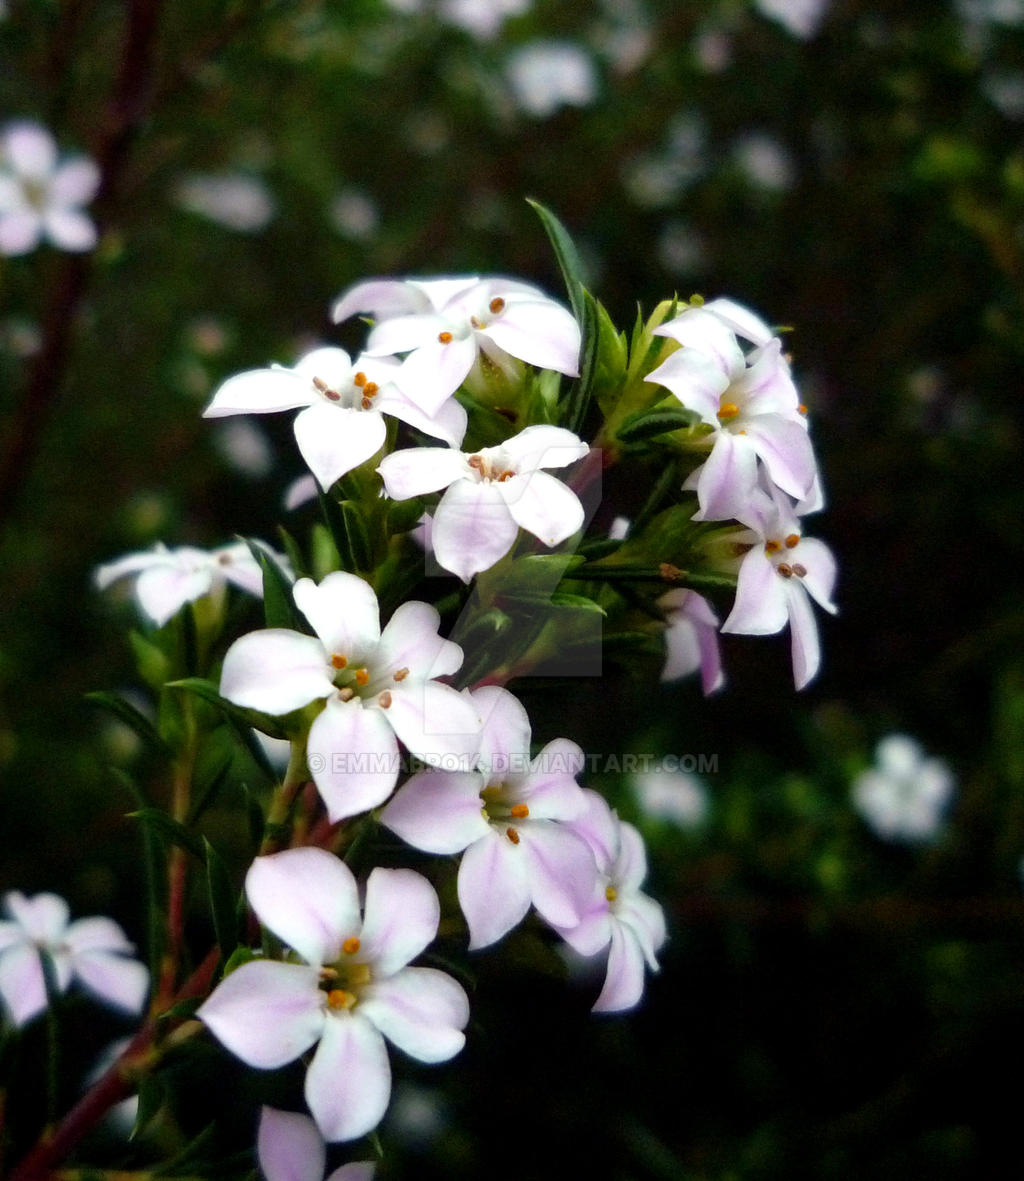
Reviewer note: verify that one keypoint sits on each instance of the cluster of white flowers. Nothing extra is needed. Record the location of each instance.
(904, 797)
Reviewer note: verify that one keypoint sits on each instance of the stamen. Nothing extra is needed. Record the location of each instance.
(798, 570)
(332, 395)
(366, 403)
(520, 811)
(512, 835)
(802, 408)
(362, 676)
(384, 699)
(771, 546)
(347, 693)
(611, 893)
(338, 998)
(359, 379)
(370, 389)
(728, 410)
(669, 572)
(507, 474)
(351, 945)
(497, 305)
(339, 661)
(476, 461)
(328, 973)
(401, 674)
(785, 570)
(792, 540)
(444, 338)
(475, 322)
(320, 384)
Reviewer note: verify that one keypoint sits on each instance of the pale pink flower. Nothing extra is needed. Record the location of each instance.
(691, 639)
(290, 1148)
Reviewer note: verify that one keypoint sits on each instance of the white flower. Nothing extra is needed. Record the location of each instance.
(490, 494)
(234, 200)
(482, 18)
(94, 952)
(691, 639)
(168, 579)
(445, 324)
(290, 1148)
(801, 18)
(40, 195)
(546, 75)
(379, 687)
(619, 916)
(341, 424)
(905, 795)
(353, 991)
(674, 796)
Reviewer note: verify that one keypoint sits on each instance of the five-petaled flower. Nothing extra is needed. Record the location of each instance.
(341, 423)
(354, 990)
(490, 494)
(619, 916)
(378, 687)
(93, 951)
(905, 795)
(507, 817)
(40, 195)
(446, 325)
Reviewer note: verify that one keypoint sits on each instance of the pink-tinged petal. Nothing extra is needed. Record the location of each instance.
(594, 932)
(691, 642)
(275, 671)
(22, 984)
(803, 634)
(113, 978)
(434, 721)
(20, 231)
(561, 871)
(163, 590)
(411, 641)
(599, 827)
(358, 1170)
(30, 149)
(330, 365)
(300, 492)
(110, 572)
(785, 448)
(766, 387)
(493, 887)
(760, 605)
(348, 1083)
(701, 331)
(740, 320)
(400, 918)
(239, 567)
(96, 934)
(308, 898)
(543, 447)
(646, 920)
(384, 298)
(695, 380)
(11, 933)
(438, 811)
(419, 470)
(434, 372)
(75, 182)
(261, 391)
(624, 981)
(448, 424)
(727, 479)
(543, 506)
(473, 528)
(421, 1010)
(289, 1147)
(505, 733)
(631, 862)
(266, 1013)
(70, 229)
(353, 757)
(333, 440)
(820, 579)
(403, 334)
(43, 917)
(343, 612)
(541, 333)
(549, 786)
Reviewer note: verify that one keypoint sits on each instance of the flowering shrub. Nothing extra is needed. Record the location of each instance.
(415, 824)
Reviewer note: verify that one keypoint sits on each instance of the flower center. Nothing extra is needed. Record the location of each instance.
(358, 395)
(491, 467)
(346, 977)
(774, 548)
(499, 810)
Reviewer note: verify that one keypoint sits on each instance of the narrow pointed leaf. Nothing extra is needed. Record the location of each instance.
(173, 830)
(660, 420)
(223, 901)
(249, 717)
(278, 605)
(133, 718)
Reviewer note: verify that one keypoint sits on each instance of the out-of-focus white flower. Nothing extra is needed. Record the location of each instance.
(234, 200)
(547, 75)
(904, 797)
(93, 951)
(765, 162)
(354, 215)
(674, 796)
(801, 18)
(482, 18)
(244, 446)
(41, 195)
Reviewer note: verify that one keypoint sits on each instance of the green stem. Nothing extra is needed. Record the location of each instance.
(278, 814)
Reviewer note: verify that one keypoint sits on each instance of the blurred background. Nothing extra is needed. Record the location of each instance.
(834, 993)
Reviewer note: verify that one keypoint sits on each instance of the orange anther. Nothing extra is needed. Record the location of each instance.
(384, 700)
(802, 408)
(338, 998)
(728, 410)
(792, 540)
(520, 811)
(512, 835)
(771, 546)
(366, 403)
(351, 945)
(359, 379)
(497, 305)
(785, 570)
(370, 389)
(401, 674)
(362, 676)
(444, 338)
(339, 661)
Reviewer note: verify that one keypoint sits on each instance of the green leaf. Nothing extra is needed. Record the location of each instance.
(278, 604)
(206, 791)
(152, 1096)
(567, 255)
(659, 420)
(223, 901)
(150, 659)
(154, 861)
(293, 551)
(159, 821)
(249, 717)
(134, 719)
(577, 400)
(623, 573)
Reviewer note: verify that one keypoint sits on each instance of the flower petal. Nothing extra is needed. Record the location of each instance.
(266, 1013)
(438, 811)
(435, 371)
(543, 446)
(275, 671)
(493, 887)
(22, 984)
(261, 391)
(289, 1147)
(421, 1010)
(308, 898)
(163, 590)
(434, 721)
(20, 231)
(343, 612)
(333, 439)
(70, 229)
(113, 978)
(760, 605)
(473, 528)
(505, 735)
(561, 871)
(353, 757)
(29, 149)
(75, 181)
(43, 917)
(418, 470)
(803, 634)
(624, 981)
(348, 1083)
(542, 505)
(411, 641)
(728, 478)
(539, 332)
(400, 918)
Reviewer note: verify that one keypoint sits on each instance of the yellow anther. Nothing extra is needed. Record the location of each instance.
(339, 998)
(339, 661)
(370, 389)
(728, 410)
(497, 305)
(798, 570)
(512, 835)
(792, 540)
(771, 546)
(351, 945)
(444, 338)
(785, 570)
(520, 811)
(384, 699)
(362, 676)
(359, 379)
(611, 893)
(401, 674)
